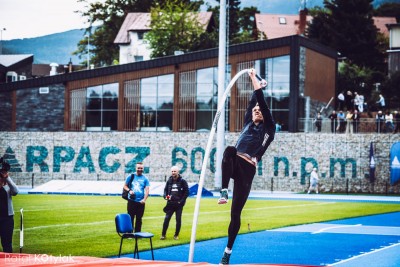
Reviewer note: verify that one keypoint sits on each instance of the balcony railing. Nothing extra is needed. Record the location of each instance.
(364, 125)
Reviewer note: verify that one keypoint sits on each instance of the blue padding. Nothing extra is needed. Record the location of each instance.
(204, 192)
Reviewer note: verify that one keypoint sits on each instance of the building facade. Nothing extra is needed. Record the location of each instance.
(175, 93)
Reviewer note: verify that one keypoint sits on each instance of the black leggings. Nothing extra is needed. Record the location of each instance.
(6, 233)
(243, 173)
(136, 209)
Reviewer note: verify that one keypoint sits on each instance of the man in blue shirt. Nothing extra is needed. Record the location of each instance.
(138, 186)
(239, 162)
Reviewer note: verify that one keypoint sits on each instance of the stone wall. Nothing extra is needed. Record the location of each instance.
(342, 159)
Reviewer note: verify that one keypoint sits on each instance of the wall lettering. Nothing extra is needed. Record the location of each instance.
(108, 161)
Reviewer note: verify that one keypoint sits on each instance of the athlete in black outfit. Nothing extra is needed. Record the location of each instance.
(239, 162)
(176, 192)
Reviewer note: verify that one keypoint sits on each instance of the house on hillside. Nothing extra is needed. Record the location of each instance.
(270, 26)
(15, 67)
(130, 38)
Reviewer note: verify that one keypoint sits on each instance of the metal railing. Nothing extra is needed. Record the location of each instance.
(364, 125)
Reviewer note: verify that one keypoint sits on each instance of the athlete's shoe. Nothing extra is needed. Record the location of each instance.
(224, 196)
(162, 237)
(176, 237)
(225, 259)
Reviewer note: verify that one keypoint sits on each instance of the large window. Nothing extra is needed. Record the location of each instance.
(156, 103)
(102, 107)
(207, 97)
(276, 71)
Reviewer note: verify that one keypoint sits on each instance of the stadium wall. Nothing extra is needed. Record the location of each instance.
(342, 159)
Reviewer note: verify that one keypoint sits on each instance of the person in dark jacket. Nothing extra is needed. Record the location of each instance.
(239, 162)
(7, 189)
(175, 192)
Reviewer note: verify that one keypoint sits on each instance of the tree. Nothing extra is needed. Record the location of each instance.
(175, 27)
(388, 10)
(348, 27)
(110, 14)
(240, 21)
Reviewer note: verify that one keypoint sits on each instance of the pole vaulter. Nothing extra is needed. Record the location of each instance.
(221, 107)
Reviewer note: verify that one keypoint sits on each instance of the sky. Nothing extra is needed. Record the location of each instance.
(33, 18)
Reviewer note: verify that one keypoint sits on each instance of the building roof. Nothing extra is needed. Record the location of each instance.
(380, 23)
(9, 60)
(281, 25)
(141, 22)
(278, 25)
(169, 61)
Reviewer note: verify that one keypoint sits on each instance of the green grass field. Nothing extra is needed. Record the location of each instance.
(84, 225)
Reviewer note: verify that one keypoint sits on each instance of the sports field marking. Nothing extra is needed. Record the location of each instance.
(160, 217)
(364, 254)
(334, 227)
(321, 228)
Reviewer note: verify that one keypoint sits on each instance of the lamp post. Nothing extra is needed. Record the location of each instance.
(1, 40)
(88, 50)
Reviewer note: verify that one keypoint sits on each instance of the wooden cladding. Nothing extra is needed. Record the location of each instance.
(131, 105)
(187, 101)
(77, 110)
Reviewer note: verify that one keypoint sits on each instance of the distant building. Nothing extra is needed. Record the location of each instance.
(15, 67)
(270, 26)
(130, 38)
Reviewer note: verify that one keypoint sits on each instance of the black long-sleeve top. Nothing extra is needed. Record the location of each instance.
(255, 139)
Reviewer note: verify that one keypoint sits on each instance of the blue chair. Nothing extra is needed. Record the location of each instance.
(123, 223)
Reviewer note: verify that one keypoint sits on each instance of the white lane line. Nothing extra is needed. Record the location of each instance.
(334, 227)
(364, 254)
(160, 217)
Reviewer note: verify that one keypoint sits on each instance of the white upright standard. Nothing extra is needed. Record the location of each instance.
(21, 231)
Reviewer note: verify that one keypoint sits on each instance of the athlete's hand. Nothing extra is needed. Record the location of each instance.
(252, 72)
(263, 83)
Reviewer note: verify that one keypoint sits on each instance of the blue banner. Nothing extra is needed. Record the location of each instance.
(371, 163)
(395, 164)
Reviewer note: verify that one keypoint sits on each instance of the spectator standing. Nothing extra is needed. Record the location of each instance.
(356, 101)
(349, 100)
(342, 121)
(313, 181)
(7, 189)
(356, 121)
(341, 101)
(349, 116)
(278, 127)
(176, 192)
(333, 118)
(318, 122)
(361, 103)
(380, 119)
(389, 127)
(381, 102)
(138, 193)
